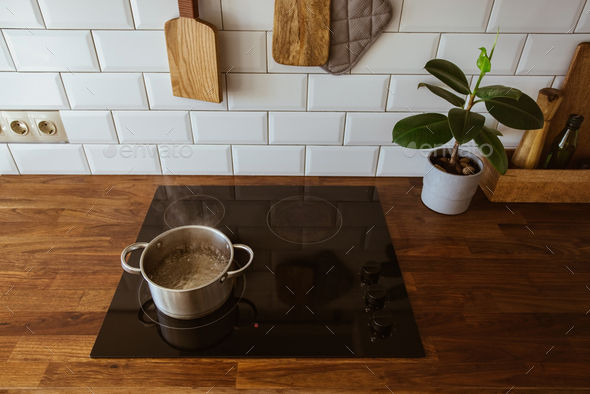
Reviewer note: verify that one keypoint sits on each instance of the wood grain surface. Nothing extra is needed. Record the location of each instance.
(301, 33)
(500, 296)
(576, 100)
(194, 58)
(528, 153)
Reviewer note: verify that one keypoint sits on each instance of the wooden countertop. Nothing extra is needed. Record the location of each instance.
(501, 295)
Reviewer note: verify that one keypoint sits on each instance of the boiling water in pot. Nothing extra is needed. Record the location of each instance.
(190, 266)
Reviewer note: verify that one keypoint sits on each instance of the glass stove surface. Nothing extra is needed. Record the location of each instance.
(302, 296)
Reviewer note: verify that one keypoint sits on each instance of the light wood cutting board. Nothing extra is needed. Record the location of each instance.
(301, 32)
(576, 100)
(193, 55)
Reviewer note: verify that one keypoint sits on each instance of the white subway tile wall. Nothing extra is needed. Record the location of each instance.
(104, 66)
(123, 159)
(131, 50)
(6, 63)
(7, 164)
(196, 160)
(52, 50)
(153, 127)
(89, 127)
(341, 161)
(67, 159)
(311, 128)
(21, 14)
(233, 127)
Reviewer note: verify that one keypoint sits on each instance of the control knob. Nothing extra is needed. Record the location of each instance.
(370, 272)
(375, 296)
(382, 323)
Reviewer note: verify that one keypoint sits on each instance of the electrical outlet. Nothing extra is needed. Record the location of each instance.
(21, 126)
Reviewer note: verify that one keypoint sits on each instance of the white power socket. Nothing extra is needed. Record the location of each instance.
(21, 126)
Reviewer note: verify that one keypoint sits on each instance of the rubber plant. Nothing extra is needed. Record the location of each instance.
(508, 105)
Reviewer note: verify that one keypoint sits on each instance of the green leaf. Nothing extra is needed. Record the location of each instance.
(424, 129)
(494, 131)
(450, 74)
(465, 125)
(440, 92)
(495, 42)
(489, 92)
(521, 114)
(490, 146)
(483, 62)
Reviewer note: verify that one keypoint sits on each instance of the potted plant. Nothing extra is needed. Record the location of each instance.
(453, 174)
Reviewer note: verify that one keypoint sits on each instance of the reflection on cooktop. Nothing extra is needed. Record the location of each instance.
(324, 282)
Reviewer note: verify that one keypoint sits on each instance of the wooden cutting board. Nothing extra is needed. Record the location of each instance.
(301, 32)
(576, 100)
(193, 55)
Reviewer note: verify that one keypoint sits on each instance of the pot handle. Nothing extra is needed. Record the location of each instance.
(126, 251)
(240, 272)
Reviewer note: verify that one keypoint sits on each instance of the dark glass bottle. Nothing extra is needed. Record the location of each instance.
(563, 146)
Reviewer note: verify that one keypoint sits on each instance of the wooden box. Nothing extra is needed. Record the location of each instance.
(558, 186)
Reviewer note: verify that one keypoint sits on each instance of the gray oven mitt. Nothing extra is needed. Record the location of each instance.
(355, 25)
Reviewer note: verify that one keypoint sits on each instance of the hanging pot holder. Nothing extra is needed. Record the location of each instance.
(355, 25)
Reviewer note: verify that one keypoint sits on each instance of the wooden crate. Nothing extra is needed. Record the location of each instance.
(558, 186)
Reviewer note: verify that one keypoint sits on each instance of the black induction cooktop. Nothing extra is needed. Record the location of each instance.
(325, 281)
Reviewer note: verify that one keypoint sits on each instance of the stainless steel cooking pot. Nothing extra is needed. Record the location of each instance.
(192, 303)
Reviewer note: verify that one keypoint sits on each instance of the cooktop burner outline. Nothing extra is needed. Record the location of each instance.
(195, 209)
(341, 298)
(317, 213)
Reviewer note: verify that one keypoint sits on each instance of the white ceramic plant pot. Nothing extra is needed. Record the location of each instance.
(446, 193)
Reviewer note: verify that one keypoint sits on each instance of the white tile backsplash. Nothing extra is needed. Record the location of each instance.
(463, 50)
(20, 91)
(584, 22)
(153, 14)
(558, 83)
(50, 159)
(87, 14)
(243, 51)
(123, 159)
(6, 63)
(398, 53)
(268, 160)
(371, 128)
(7, 164)
(535, 16)
(510, 137)
(248, 14)
(400, 161)
(197, 160)
(549, 54)
(291, 128)
(233, 127)
(396, 6)
(159, 91)
(347, 92)
(105, 90)
(249, 92)
(52, 50)
(131, 50)
(341, 160)
(21, 14)
(93, 60)
(445, 16)
(153, 127)
(404, 95)
(89, 127)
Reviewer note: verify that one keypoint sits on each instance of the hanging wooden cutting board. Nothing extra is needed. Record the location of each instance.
(301, 32)
(576, 100)
(193, 55)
